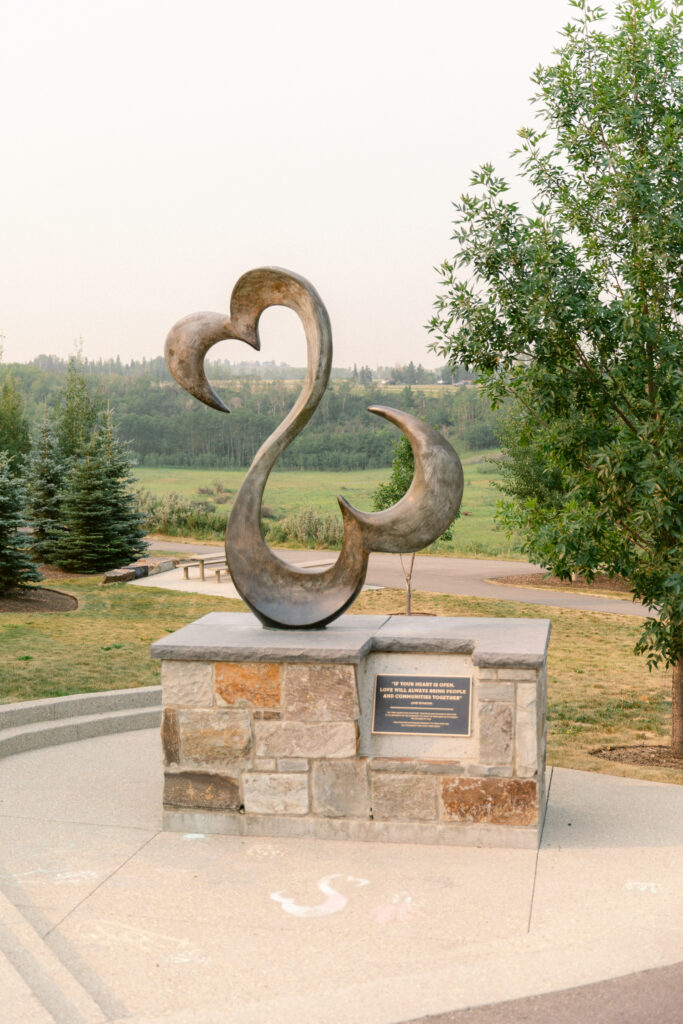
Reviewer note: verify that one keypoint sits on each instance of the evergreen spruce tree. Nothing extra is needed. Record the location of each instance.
(16, 567)
(127, 532)
(45, 480)
(102, 528)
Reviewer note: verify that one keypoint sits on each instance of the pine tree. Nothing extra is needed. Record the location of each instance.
(45, 479)
(127, 532)
(102, 528)
(16, 568)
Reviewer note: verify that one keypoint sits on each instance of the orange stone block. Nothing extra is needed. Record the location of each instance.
(491, 801)
(255, 683)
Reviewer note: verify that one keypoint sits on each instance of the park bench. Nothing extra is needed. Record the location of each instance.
(216, 563)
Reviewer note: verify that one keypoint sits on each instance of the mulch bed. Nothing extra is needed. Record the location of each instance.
(649, 757)
(615, 585)
(38, 599)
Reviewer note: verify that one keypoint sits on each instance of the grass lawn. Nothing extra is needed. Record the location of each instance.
(290, 491)
(599, 693)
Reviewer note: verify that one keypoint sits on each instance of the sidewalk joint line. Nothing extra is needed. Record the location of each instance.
(538, 851)
(99, 885)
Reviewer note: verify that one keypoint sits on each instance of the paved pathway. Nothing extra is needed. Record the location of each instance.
(103, 917)
(437, 574)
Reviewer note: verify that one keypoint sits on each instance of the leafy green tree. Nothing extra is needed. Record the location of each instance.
(386, 495)
(574, 311)
(77, 412)
(16, 567)
(14, 433)
(45, 479)
(101, 527)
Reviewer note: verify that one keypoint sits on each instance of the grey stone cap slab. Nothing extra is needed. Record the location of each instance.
(491, 642)
(239, 636)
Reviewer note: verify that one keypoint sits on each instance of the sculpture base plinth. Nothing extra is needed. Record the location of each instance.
(270, 733)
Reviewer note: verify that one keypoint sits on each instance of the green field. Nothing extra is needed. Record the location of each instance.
(291, 491)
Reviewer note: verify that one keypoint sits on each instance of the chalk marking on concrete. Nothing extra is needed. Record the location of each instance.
(265, 852)
(332, 905)
(107, 932)
(651, 887)
(399, 907)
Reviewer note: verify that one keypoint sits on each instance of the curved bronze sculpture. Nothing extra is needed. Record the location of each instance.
(280, 595)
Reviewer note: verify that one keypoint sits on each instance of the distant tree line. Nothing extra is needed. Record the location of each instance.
(166, 427)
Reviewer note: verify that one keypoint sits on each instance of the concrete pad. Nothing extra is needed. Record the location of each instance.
(611, 870)
(174, 580)
(385, 912)
(54, 866)
(193, 929)
(110, 780)
(16, 994)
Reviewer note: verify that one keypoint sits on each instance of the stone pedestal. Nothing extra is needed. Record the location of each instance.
(269, 732)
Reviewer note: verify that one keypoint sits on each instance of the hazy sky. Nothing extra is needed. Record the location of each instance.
(153, 152)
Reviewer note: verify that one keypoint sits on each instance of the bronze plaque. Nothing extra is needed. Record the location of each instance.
(422, 705)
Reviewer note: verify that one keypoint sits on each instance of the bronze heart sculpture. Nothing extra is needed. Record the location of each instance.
(279, 594)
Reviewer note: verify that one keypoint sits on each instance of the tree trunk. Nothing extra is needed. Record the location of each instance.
(409, 577)
(677, 708)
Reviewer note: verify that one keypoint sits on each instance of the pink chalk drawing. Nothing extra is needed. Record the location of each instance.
(399, 908)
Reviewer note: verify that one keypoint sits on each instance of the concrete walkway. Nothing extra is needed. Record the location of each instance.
(468, 577)
(105, 917)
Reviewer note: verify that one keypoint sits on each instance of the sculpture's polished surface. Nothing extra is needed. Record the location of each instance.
(277, 593)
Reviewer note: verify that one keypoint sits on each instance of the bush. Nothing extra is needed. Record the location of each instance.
(178, 517)
(308, 529)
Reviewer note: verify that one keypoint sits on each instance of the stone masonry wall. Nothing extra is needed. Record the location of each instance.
(272, 748)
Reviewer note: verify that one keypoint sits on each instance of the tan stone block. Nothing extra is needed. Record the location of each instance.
(275, 794)
(319, 693)
(526, 696)
(490, 801)
(170, 738)
(203, 790)
(292, 764)
(404, 797)
(339, 789)
(187, 683)
(391, 764)
(265, 764)
(518, 675)
(496, 725)
(306, 739)
(495, 691)
(499, 771)
(215, 739)
(526, 745)
(254, 683)
(439, 767)
(487, 673)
